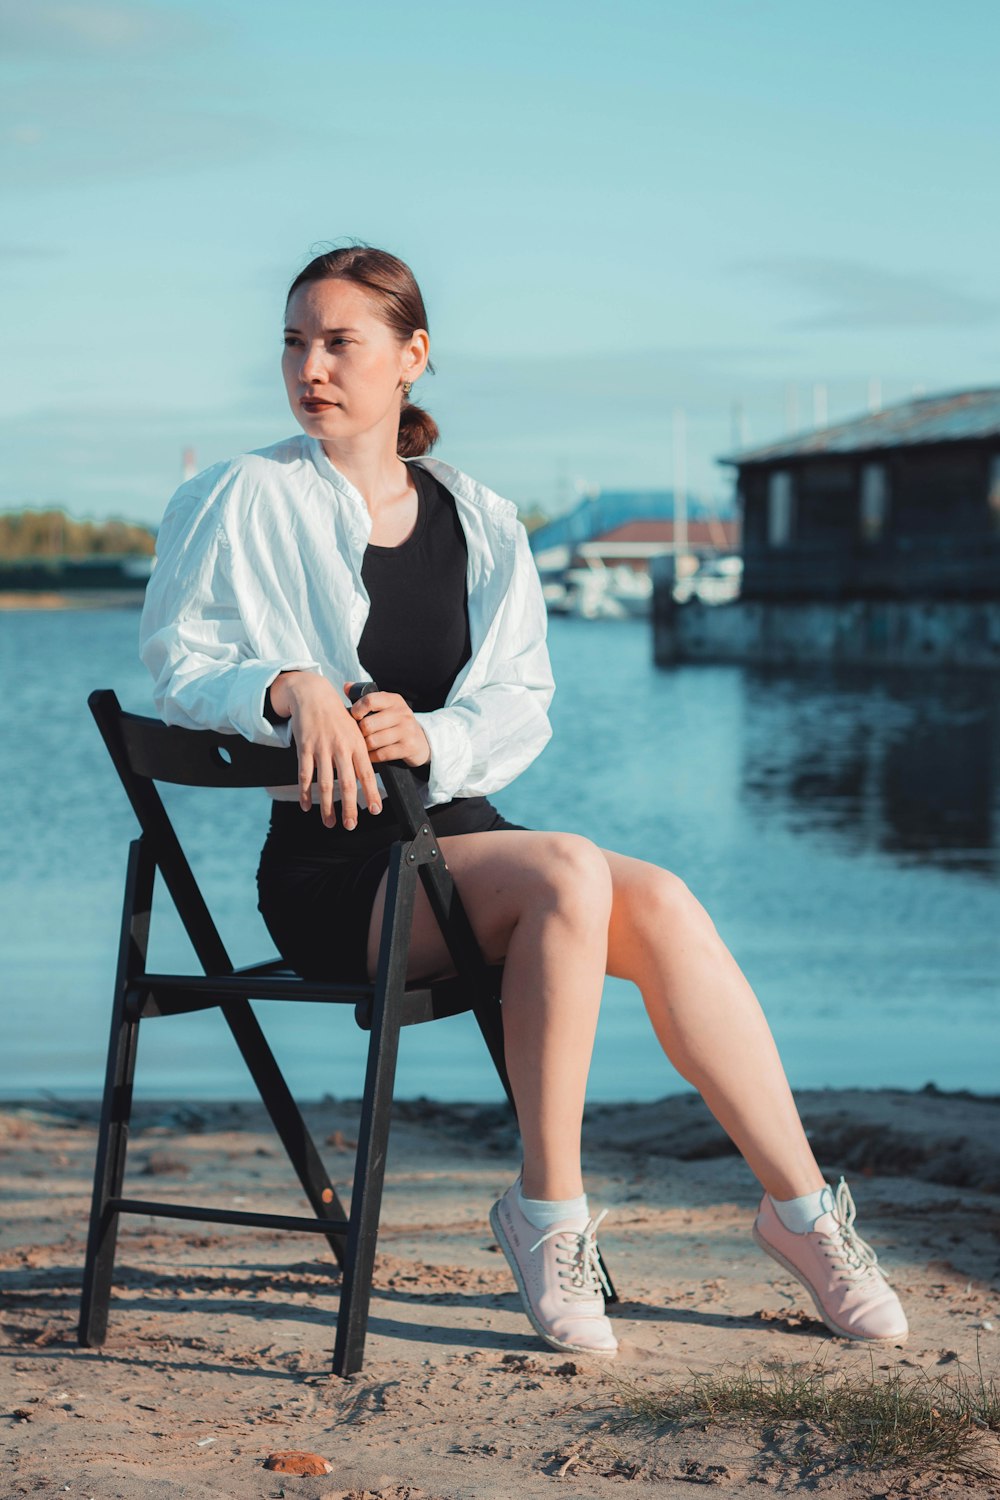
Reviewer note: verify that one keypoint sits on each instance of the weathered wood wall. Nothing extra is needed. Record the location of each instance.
(941, 537)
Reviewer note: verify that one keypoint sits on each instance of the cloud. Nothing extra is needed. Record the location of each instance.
(857, 295)
(101, 458)
(510, 417)
(10, 251)
(43, 29)
(68, 133)
(639, 388)
(86, 96)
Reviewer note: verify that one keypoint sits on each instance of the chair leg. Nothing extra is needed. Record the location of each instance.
(489, 1018)
(287, 1119)
(116, 1105)
(373, 1132)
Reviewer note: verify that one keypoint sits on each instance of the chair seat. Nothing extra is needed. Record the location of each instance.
(152, 995)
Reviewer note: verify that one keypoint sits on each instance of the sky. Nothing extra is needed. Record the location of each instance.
(615, 213)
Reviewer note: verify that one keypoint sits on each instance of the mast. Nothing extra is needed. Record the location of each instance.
(680, 484)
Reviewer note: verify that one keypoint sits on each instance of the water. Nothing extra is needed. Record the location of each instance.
(842, 830)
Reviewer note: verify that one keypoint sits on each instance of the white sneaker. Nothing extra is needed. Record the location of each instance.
(560, 1278)
(838, 1269)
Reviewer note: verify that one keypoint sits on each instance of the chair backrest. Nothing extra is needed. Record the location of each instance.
(145, 750)
(197, 757)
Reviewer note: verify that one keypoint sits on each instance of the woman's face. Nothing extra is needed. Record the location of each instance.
(344, 363)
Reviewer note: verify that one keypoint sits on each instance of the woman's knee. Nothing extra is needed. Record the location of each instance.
(573, 878)
(662, 902)
(561, 874)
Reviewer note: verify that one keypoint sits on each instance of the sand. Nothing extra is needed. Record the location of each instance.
(220, 1339)
(24, 599)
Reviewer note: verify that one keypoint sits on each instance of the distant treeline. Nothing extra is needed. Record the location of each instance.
(29, 534)
(52, 533)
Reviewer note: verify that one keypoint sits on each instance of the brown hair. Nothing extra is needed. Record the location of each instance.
(394, 291)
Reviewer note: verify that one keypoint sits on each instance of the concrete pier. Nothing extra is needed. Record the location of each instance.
(863, 632)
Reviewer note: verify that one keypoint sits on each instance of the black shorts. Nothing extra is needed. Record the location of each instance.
(316, 886)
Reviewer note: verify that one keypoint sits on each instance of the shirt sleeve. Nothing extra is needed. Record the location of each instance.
(485, 738)
(271, 714)
(192, 634)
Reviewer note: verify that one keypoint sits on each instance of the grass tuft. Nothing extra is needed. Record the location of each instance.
(875, 1420)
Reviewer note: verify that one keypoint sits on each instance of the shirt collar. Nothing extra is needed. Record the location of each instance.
(468, 488)
(462, 485)
(340, 482)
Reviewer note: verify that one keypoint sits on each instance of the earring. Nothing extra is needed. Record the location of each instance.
(407, 387)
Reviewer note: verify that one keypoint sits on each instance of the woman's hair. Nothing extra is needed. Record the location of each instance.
(393, 289)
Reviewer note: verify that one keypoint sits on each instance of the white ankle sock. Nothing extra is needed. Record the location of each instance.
(800, 1214)
(544, 1212)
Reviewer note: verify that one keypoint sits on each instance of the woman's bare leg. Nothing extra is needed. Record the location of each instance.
(538, 901)
(541, 902)
(708, 1020)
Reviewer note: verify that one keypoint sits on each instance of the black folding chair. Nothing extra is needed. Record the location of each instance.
(145, 751)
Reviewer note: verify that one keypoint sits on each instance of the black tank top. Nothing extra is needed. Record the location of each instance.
(416, 638)
(415, 641)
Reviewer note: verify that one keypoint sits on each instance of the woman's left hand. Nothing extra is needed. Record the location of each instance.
(390, 730)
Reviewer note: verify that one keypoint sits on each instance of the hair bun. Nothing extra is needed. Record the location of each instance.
(418, 431)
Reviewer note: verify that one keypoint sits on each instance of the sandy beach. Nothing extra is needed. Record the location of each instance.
(23, 599)
(219, 1345)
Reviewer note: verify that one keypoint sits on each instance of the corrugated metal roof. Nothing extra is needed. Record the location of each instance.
(960, 417)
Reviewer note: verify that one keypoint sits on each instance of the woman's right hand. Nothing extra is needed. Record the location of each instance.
(329, 744)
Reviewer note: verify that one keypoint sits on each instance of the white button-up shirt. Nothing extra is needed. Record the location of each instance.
(258, 571)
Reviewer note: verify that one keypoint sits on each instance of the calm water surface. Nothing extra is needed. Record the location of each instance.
(841, 830)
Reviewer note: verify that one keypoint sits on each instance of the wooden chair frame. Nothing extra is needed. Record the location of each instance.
(144, 751)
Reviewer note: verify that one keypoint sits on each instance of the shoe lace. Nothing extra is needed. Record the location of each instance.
(856, 1255)
(581, 1273)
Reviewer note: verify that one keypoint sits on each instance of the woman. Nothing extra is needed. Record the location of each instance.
(343, 554)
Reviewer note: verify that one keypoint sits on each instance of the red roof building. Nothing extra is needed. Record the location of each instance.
(635, 542)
